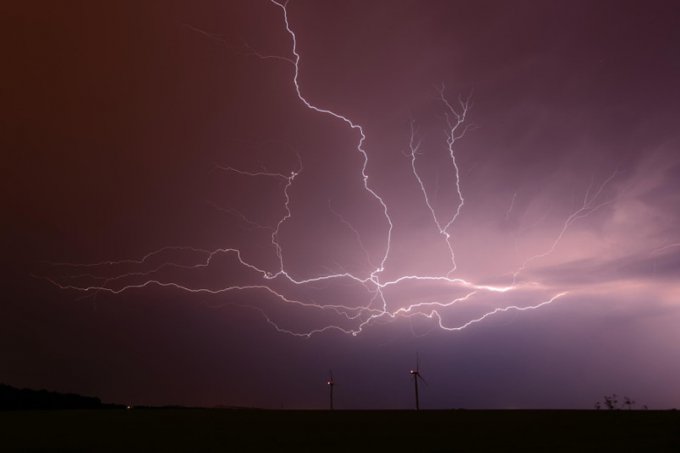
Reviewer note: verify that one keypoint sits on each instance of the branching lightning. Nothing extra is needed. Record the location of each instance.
(590, 204)
(347, 318)
(457, 127)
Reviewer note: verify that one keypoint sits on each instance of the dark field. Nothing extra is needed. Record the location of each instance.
(253, 430)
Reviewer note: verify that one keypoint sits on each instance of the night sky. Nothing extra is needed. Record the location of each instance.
(180, 228)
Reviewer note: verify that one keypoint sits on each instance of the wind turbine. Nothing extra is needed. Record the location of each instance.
(331, 383)
(416, 376)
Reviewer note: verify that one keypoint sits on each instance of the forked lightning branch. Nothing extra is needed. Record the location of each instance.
(284, 291)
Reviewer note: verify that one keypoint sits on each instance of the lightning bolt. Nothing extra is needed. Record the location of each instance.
(148, 271)
(457, 127)
(512, 205)
(589, 206)
(352, 125)
(355, 232)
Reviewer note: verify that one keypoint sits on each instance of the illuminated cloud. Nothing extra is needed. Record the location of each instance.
(326, 185)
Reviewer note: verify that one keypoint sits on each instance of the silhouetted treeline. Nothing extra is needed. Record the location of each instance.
(12, 398)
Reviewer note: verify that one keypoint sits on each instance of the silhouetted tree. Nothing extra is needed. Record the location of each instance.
(611, 402)
(25, 399)
(628, 402)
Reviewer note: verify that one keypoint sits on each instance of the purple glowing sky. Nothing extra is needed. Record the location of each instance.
(137, 129)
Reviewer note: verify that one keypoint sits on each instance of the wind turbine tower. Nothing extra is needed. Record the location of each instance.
(331, 384)
(416, 377)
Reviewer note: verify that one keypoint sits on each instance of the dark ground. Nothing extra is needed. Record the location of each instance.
(254, 430)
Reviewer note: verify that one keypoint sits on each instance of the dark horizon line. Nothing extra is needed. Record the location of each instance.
(14, 398)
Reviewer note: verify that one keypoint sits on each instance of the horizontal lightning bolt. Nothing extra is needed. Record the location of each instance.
(351, 319)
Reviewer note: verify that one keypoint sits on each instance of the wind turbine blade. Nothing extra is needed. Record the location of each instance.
(417, 362)
(418, 376)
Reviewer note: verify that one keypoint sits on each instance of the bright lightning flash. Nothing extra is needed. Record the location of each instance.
(285, 291)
